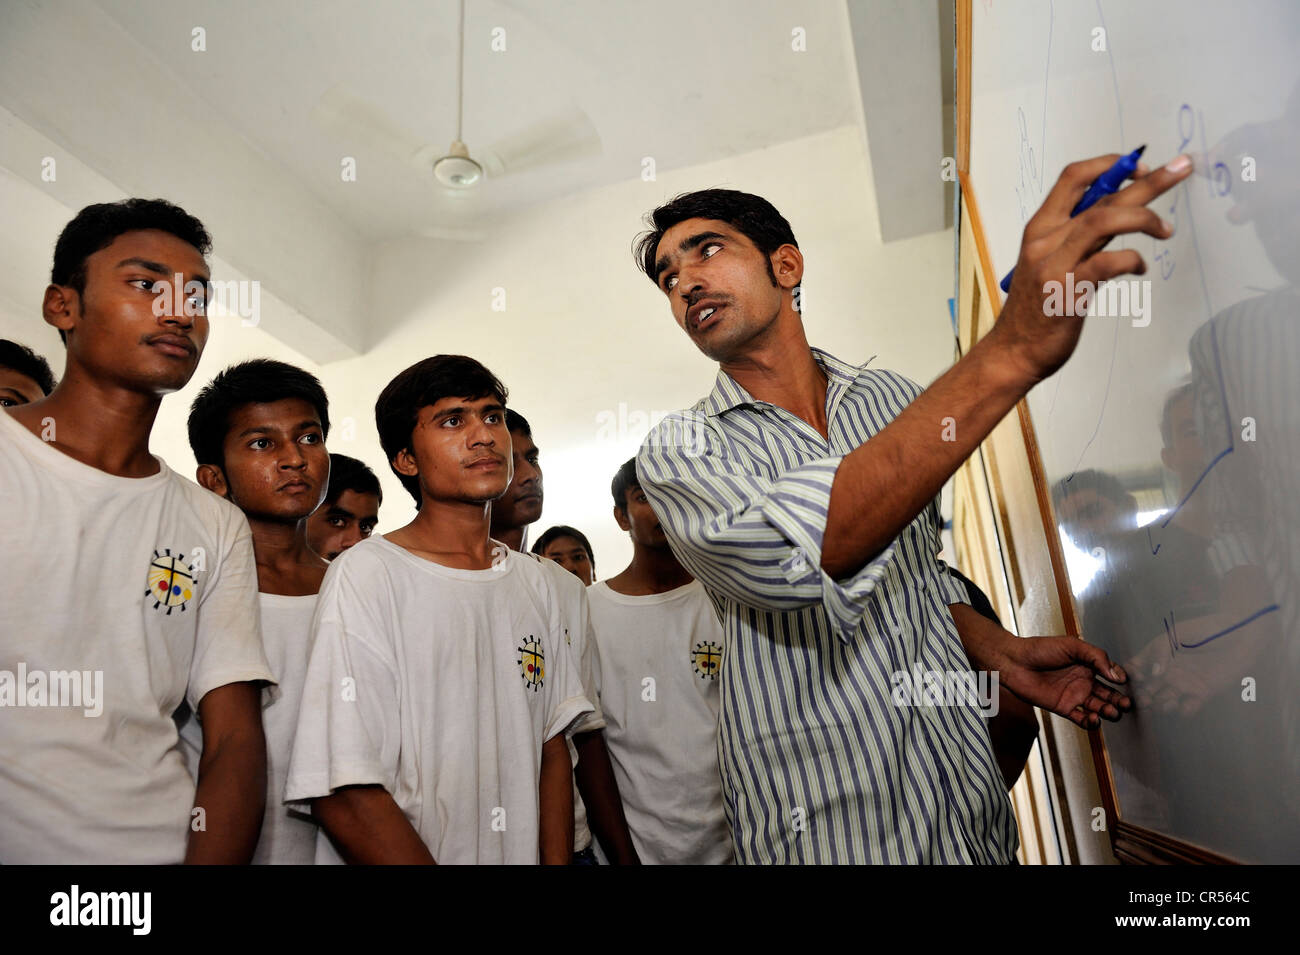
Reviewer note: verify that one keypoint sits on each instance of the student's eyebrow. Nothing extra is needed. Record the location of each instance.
(157, 268)
(336, 511)
(267, 429)
(462, 410)
(690, 242)
(449, 412)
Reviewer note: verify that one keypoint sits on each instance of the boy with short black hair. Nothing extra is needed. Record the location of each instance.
(24, 375)
(654, 622)
(440, 686)
(128, 575)
(597, 807)
(350, 510)
(569, 548)
(258, 432)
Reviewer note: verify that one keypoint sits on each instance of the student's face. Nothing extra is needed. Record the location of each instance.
(113, 333)
(639, 520)
(460, 449)
(333, 528)
(521, 505)
(709, 264)
(17, 389)
(277, 468)
(572, 556)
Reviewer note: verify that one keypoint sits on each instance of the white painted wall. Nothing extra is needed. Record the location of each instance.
(584, 332)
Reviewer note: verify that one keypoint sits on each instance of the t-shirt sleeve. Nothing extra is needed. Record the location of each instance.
(584, 655)
(348, 731)
(566, 698)
(228, 636)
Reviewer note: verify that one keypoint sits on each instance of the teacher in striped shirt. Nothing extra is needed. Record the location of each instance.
(802, 494)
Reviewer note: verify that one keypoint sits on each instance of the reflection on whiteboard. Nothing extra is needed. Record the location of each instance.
(1172, 436)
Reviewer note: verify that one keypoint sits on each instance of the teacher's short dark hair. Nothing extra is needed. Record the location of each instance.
(752, 216)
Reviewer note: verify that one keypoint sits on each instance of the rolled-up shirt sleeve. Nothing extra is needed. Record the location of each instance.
(755, 540)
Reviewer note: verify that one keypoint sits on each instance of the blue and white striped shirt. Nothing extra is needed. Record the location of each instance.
(818, 763)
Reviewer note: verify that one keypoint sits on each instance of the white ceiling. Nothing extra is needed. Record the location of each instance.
(114, 90)
(682, 81)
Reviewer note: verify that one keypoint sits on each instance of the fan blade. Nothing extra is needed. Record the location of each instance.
(562, 137)
(359, 123)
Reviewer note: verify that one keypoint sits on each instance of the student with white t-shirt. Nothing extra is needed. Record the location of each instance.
(659, 649)
(258, 432)
(126, 588)
(440, 687)
(594, 784)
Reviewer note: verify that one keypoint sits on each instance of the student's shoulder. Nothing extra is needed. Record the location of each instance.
(547, 578)
(372, 557)
(212, 510)
(565, 582)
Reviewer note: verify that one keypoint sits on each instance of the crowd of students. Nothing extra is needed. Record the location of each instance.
(279, 684)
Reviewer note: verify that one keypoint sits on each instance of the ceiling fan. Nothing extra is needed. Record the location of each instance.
(459, 175)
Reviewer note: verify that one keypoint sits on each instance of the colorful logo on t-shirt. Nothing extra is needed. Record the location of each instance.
(706, 658)
(171, 581)
(532, 662)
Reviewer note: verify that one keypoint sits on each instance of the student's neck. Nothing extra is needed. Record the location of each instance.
(652, 571)
(512, 538)
(286, 564)
(780, 369)
(451, 533)
(102, 426)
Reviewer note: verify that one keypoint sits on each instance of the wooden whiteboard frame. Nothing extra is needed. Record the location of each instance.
(1130, 843)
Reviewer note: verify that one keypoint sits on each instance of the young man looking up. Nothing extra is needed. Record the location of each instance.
(440, 686)
(24, 375)
(655, 622)
(119, 570)
(258, 432)
(569, 548)
(596, 795)
(819, 544)
(350, 510)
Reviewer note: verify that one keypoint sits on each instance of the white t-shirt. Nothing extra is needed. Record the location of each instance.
(581, 641)
(441, 685)
(146, 588)
(662, 735)
(288, 836)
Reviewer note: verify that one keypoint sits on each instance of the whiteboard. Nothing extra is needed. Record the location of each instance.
(1171, 438)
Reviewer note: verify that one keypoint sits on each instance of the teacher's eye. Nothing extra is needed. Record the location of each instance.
(145, 285)
(712, 245)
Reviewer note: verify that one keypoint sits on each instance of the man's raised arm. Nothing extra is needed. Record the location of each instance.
(884, 483)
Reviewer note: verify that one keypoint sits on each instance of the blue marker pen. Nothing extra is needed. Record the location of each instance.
(1107, 183)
